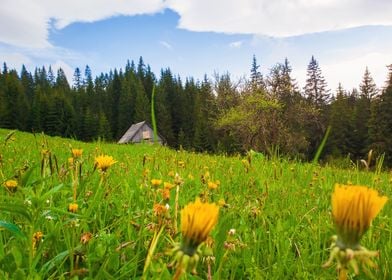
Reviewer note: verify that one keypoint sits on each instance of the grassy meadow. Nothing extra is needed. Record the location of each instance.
(274, 218)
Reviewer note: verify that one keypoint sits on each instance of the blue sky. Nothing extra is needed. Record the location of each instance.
(197, 37)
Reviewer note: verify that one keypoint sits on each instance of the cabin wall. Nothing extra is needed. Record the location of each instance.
(144, 131)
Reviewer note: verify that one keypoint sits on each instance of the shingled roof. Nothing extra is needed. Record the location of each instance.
(134, 133)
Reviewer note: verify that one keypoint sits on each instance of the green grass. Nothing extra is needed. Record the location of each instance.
(280, 211)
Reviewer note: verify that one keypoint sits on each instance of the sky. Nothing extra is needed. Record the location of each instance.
(198, 37)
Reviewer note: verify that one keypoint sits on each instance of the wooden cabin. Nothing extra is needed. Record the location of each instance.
(140, 132)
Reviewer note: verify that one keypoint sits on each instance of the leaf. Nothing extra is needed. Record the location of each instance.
(51, 192)
(17, 208)
(53, 262)
(18, 257)
(13, 229)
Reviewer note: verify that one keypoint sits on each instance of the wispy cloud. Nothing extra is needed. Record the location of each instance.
(27, 22)
(235, 45)
(166, 45)
(280, 18)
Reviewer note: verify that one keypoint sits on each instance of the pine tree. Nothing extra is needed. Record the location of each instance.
(380, 126)
(77, 79)
(256, 78)
(316, 86)
(362, 114)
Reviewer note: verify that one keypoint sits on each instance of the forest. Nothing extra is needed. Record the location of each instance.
(269, 114)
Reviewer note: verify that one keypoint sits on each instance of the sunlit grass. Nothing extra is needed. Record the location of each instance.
(275, 218)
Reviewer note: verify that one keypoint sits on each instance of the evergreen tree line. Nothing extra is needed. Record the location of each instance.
(268, 114)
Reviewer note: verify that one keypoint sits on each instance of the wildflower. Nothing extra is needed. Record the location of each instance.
(159, 209)
(213, 185)
(76, 153)
(156, 182)
(166, 194)
(168, 185)
(11, 185)
(37, 237)
(171, 173)
(197, 221)
(73, 207)
(104, 162)
(86, 237)
(353, 209)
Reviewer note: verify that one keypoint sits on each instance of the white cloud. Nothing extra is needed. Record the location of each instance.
(25, 23)
(349, 71)
(14, 59)
(280, 17)
(235, 45)
(166, 45)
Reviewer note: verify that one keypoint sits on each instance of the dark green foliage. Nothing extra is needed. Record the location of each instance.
(268, 114)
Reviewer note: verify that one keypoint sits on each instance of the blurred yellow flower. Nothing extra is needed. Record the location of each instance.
(73, 207)
(104, 162)
(168, 185)
(197, 221)
(353, 209)
(76, 153)
(156, 182)
(11, 184)
(213, 185)
(171, 173)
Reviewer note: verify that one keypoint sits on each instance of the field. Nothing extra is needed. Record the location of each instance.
(274, 218)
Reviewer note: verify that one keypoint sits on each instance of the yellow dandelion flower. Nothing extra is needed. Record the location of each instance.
(11, 184)
(197, 221)
(76, 153)
(168, 185)
(156, 182)
(212, 185)
(104, 162)
(171, 173)
(73, 207)
(353, 209)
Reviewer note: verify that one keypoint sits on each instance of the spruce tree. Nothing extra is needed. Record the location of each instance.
(316, 87)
